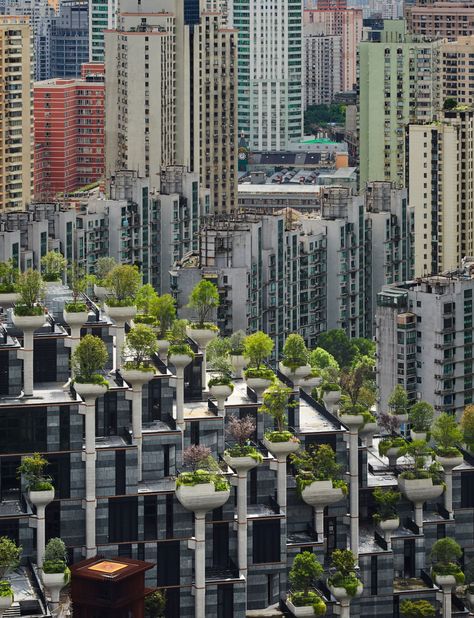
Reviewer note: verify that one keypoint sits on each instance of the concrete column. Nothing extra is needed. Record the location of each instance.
(319, 523)
(354, 488)
(281, 481)
(40, 535)
(447, 602)
(27, 355)
(448, 493)
(119, 333)
(242, 522)
(200, 565)
(180, 397)
(345, 609)
(90, 456)
(419, 515)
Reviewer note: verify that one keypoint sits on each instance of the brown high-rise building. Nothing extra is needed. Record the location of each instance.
(443, 19)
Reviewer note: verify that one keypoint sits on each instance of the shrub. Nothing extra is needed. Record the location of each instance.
(389, 422)
(264, 373)
(305, 570)
(9, 555)
(5, 589)
(398, 401)
(123, 282)
(53, 265)
(32, 470)
(145, 298)
(295, 352)
(203, 299)
(236, 343)
(140, 345)
(387, 500)
(30, 288)
(445, 553)
(163, 308)
(89, 358)
(257, 347)
(102, 268)
(180, 348)
(155, 604)
(417, 609)
(8, 277)
(316, 463)
(55, 550)
(467, 426)
(391, 442)
(204, 469)
(420, 416)
(447, 435)
(343, 561)
(321, 359)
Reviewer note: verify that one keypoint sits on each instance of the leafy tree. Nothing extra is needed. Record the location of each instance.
(389, 422)
(419, 451)
(398, 401)
(445, 551)
(337, 343)
(196, 455)
(178, 331)
(295, 352)
(420, 416)
(8, 276)
(319, 460)
(155, 604)
(343, 561)
(352, 380)
(30, 287)
(236, 343)
(203, 299)
(417, 609)
(387, 500)
(467, 426)
(123, 281)
(140, 344)
(145, 298)
(32, 470)
(450, 103)
(241, 429)
(218, 348)
(89, 358)
(257, 347)
(321, 359)
(305, 570)
(9, 555)
(447, 434)
(103, 266)
(365, 347)
(275, 404)
(163, 308)
(317, 116)
(53, 265)
(55, 550)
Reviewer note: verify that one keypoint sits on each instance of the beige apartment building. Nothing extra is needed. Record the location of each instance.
(457, 70)
(16, 113)
(441, 19)
(441, 193)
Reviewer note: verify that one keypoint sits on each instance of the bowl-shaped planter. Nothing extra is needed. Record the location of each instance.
(8, 298)
(281, 449)
(449, 463)
(75, 318)
(368, 429)
(201, 497)
(136, 376)
(332, 398)
(54, 583)
(299, 611)
(41, 498)
(418, 435)
(101, 292)
(120, 314)
(87, 390)
(163, 346)
(419, 490)
(202, 336)
(444, 580)
(240, 464)
(353, 421)
(180, 360)
(6, 602)
(219, 391)
(470, 598)
(341, 594)
(309, 382)
(392, 454)
(28, 322)
(258, 384)
(238, 362)
(321, 493)
(389, 525)
(295, 374)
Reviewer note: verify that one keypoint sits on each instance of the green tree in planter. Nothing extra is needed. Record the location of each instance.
(447, 434)
(163, 308)
(467, 426)
(217, 350)
(140, 346)
(343, 563)
(79, 282)
(236, 343)
(32, 470)
(420, 416)
(353, 379)
(387, 500)
(303, 574)
(398, 401)
(53, 265)
(123, 281)
(30, 288)
(89, 359)
(204, 298)
(257, 348)
(275, 404)
(145, 298)
(10, 554)
(295, 352)
(55, 558)
(155, 604)
(321, 359)
(417, 609)
(317, 463)
(103, 266)
(8, 277)
(444, 555)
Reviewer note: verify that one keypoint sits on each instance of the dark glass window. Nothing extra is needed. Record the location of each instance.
(120, 473)
(123, 519)
(266, 541)
(150, 518)
(4, 374)
(467, 490)
(440, 531)
(53, 520)
(10, 528)
(64, 428)
(60, 470)
(253, 493)
(166, 460)
(23, 430)
(169, 516)
(168, 561)
(110, 415)
(195, 432)
(10, 483)
(225, 601)
(373, 576)
(45, 360)
(154, 400)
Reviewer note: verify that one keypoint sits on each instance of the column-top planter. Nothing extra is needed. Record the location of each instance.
(163, 346)
(5, 602)
(282, 449)
(322, 493)
(88, 390)
(419, 490)
(341, 594)
(238, 362)
(240, 464)
(41, 498)
(389, 525)
(9, 298)
(353, 421)
(28, 322)
(258, 384)
(332, 397)
(444, 580)
(294, 374)
(180, 360)
(449, 463)
(137, 376)
(418, 435)
(75, 318)
(202, 336)
(201, 497)
(120, 314)
(309, 382)
(101, 292)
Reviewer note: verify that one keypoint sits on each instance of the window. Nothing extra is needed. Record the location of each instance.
(23, 430)
(123, 519)
(150, 518)
(266, 541)
(467, 490)
(373, 576)
(45, 360)
(120, 473)
(167, 563)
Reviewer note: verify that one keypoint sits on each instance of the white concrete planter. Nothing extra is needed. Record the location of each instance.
(403, 418)
(444, 580)
(41, 498)
(137, 376)
(202, 336)
(5, 603)
(54, 583)
(28, 322)
(449, 463)
(389, 525)
(470, 598)
(353, 421)
(259, 385)
(418, 435)
(309, 382)
(281, 449)
(368, 429)
(9, 298)
(202, 497)
(392, 455)
(238, 362)
(75, 318)
(240, 464)
(101, 292)
(121, 314)
(180, 360)
(220, 392)
(321, 493)
(419, 490)
(86, 391)
(340, 594)
(295, 375)
(163, 347)
(331, 398)
(305, 610)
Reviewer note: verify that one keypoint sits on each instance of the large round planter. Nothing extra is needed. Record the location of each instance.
(28, 322)
(180, 360)
(449, 463)
(75, 318)
(202, 497)
(101, 292)
(202, 336)
(403, 418)
(136, 376)
(41, 498)
(393, 454)
(240, 464)
(418, 435)
(295, 375)
(368, 429)
(120, 314)
(340, 594)
(309, 382)
(470, 598)
(444, 580)
(259, 385)
(163, 347)
(220, 392)
(304, 611)
(53, 582)
(332, 398)
(419, 490)
(389, 525)
(281, 449)
(238, 362)
(353, 421)
(5, 603)
(9, 298)
(87, 391)
(321, 493)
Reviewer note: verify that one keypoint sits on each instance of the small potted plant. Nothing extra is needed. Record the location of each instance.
(8, 283)
(303, 600)
(343, 582)
(9, 559)
(294, 364)
(236, 352)
(445, 569)
(75, 311)
(123, 283)
(386, 517)
(420, 416)
(221, 385)
(163, 309)
(257, 348)
(39, 485)
(204, 299)
(279, 441)
(242, 454)
(88, 362)
(139, 348)
(417, 609)
(53, 265)
(155, 604)
(203, 487)
(447, 435)
(56, 573)
(102, 268)
(398, 403)
(29, 312)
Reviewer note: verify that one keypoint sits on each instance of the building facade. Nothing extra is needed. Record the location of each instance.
(16, 105)
(70, 39)
(441, 19)
(457, 77)
(321, 61)
(102, 16)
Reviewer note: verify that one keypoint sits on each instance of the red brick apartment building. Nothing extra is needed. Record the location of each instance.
(69, 132)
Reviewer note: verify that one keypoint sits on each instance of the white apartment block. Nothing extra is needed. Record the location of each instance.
(321, 67)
